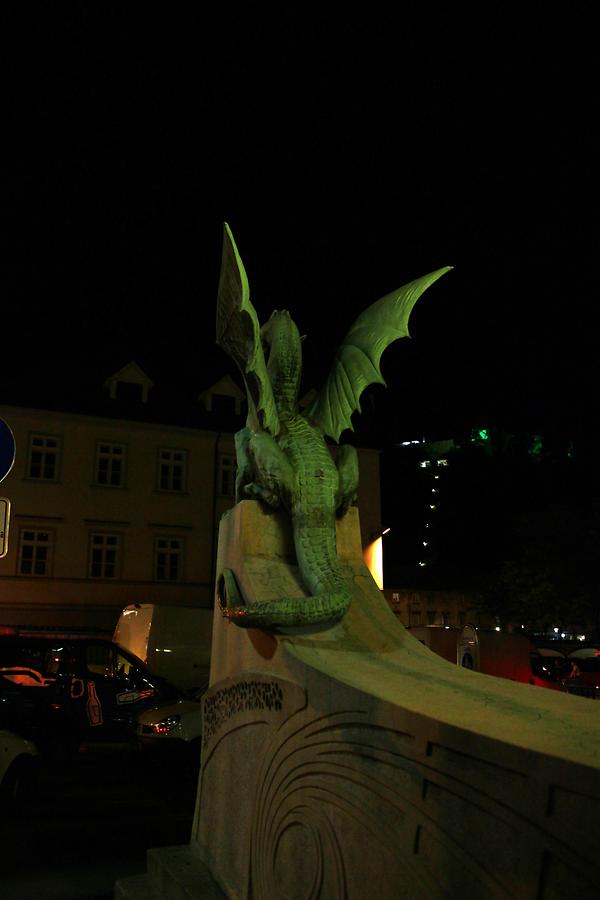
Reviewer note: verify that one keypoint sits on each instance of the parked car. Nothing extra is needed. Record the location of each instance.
(59, 692)
(176, 725)
(583, 674)
(512, 656)
(550, 666)
(18, 766)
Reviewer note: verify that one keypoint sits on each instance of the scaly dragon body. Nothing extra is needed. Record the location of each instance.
(311, 505)
(282, 456)
(296, 470)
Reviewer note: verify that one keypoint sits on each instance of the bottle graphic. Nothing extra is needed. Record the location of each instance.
(94, 709)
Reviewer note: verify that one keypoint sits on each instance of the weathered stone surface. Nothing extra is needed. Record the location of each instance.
(354, 762)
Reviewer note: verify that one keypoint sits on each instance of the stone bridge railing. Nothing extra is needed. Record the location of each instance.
(355, 763)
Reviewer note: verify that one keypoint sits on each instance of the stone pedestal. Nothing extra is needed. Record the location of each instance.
(354, 762)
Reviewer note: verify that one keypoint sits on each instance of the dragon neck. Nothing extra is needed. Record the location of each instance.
(285, 360)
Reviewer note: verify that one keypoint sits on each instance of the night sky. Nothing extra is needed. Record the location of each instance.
(349, 154)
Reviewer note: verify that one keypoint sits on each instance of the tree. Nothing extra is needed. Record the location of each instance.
(552, 579)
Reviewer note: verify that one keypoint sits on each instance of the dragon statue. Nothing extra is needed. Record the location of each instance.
(282, 457)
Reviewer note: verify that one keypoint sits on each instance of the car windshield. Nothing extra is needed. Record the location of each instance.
(31, 664)
(39, 663)
(588, 664)
(112, 663)
(550, 668)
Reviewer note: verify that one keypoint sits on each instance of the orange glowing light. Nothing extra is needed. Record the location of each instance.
(373, 557)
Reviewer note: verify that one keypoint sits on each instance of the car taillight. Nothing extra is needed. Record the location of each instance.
(166, 725)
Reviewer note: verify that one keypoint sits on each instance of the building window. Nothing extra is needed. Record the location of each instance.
(42, 461)
(172, 470)
(414, 617)
(110, 465)
(104, 555)
(168, 559)
(35, 552)
(129, 392)
(226, 475)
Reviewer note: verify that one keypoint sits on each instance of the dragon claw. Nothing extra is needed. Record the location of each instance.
(233, 612)
(228, 592)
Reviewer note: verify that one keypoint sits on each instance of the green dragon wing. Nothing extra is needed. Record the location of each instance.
(238, 333)
(356, 363)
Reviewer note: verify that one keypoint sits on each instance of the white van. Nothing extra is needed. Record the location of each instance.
(173, 641)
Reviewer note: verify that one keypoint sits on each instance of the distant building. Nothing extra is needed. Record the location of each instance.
(425, 605)
(452, 608)
(466, 512)
(122, 504)
(416, 477)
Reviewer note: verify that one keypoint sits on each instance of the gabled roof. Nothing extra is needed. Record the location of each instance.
(130, 373)
(224, 387)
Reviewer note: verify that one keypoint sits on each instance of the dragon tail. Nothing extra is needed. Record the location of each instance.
(287, 612)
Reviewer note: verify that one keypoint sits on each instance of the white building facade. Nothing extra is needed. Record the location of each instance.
(106, 512)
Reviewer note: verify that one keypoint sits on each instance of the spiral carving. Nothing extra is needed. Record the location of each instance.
(298, 856)
(319, 784)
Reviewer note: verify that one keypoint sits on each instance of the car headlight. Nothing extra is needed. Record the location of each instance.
(166, 725)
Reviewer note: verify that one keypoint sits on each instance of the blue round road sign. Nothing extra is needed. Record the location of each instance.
(7, 449)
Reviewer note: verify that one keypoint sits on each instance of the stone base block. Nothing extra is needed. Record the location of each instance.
(176, 873)
(136, 887)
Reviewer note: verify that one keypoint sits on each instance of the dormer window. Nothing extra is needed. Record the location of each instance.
(129, 392)
(130, 384)
(223, 398)
(223, 404)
